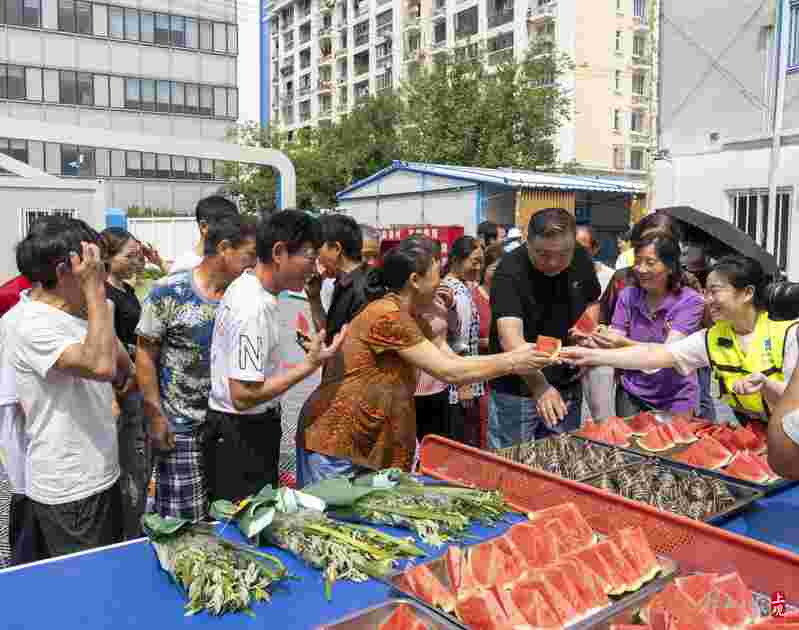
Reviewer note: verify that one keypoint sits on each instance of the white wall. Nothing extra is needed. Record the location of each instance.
(171, 236)
(702, 181)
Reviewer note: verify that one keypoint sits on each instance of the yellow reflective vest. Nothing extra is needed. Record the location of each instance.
(730, 364)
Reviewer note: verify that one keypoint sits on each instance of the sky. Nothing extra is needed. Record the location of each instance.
(249, 70)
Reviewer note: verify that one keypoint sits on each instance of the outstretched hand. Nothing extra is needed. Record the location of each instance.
(579, 356)
(752, 384)
(318, 352)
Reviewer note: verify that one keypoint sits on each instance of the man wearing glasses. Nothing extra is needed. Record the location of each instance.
(242, 447)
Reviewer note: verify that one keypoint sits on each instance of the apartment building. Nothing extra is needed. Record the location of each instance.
(155, 68)
(323, 56)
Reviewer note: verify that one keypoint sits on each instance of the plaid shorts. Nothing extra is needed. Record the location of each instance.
(180, 488)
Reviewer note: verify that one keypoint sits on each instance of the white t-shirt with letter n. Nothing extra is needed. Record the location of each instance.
(72, 434)
(246, 342)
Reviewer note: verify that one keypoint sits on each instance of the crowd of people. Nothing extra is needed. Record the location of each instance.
(102, 395)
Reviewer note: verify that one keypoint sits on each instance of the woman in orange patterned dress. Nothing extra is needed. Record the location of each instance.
(363, 415)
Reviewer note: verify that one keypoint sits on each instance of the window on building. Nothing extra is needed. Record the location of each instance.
(70, 160)
(147, 26)
(193, 168)
(85, 88)
(116, 22)
(192, 33)
(179, 31)
(163, 95)
(618, 158)
(192, 99)
(132, 25)
(68, 87)
(83, 17)
(637, 121)
(178, 97)
(12, 82)
(440, 32)
(206, 100)
(162, 34)
(793, 43)
(639, 9)
(466, 23)
(639, 46)
(617, 120)
(617, 80)
(101, 90)
(618, 41)
(220, 37)
(178, 167)
(31, 12)
(132, 93)
(17, 149)
(206, 169)
(232, 38)
(639, 83)
(206, 36)
(66, 15)
(132, 164)
(637, 159)
(148, 165)
(750, 211)
(148, 95)
(233, 103)
(33, 84)
(163, 166)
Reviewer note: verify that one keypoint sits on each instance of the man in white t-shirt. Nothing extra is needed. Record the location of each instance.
(208, 210)
(242, 443)
(66, 356)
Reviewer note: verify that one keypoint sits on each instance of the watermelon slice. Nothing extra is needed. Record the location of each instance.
(745, 439)
(561, 581)
(548, 345)
(430, 589)
(744, 466)
(730, 602)
(557, 600)
(696, 587)
(537, 547)
(586, 324)
(636, 550)
(589, 561)
(762, 459)
(402, 618)
(301, 325)
(620, 426)
(706, 453)
(625, 578)
(511, 563)
(672, 602)
(454, 559)
(589, 430)
(725, 436)
(506, 603)
(485, 563)
(761, 431)
(669, 432)
(641, 423)
(588, 587)
(656, 440)
(534, 607)
(481, 610)
(684, 430)
(578, 531)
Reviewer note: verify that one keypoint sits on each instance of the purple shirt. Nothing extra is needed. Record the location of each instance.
(667, 389)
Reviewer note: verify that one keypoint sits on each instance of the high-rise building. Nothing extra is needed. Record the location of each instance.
(321, 57)
(155, 68)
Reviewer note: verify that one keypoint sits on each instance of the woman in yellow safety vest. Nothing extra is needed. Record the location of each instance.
(752, 357)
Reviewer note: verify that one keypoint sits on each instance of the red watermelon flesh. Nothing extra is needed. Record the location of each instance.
(481, 611)
(743, 466)
(430, 589)
(586, 323)
(485, 562)
(538, 546)
(454, 560)
(302, 325)
(655, 440)
(590, 561)
(746, 439)
(402, 618)
(564, 542)
(534, 606)
(641, 423)
(467, 583)
(557, 600)
(730, 602)
(505, 601)
(578, 530)
(511, 565)
(620, 426)
(548, 345)
(706, 453)
(682, 428)
(725, 436)
(717, 452)
(761, 431)
(696, 587)
(590, 430)
(637, 551)
(625, 576)
(671, 433)
(588, 587)
(763, 461)
(674, 603)
(560, 580)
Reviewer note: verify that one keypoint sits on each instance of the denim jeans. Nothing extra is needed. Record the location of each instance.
(514, 419)
(314, 467)
(707, 408)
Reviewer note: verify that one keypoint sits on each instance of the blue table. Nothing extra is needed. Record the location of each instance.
(123, 587)
(773, 520)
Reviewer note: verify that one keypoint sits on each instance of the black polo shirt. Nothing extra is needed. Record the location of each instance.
(547, 305)
(348, 299)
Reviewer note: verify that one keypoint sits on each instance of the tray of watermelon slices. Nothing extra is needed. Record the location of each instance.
(706, 601)
(551, 571)
(732, 454)
(394, 614)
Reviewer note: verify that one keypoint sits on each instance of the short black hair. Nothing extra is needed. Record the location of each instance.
(48, 244)
(488, 231)
(234, 229)
(741, 272)
(292, 227)
(551, 222)
(339, 228)
(656, 223)
(213, 208)
(426, 241)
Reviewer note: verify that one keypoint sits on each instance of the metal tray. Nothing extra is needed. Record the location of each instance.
(371, 618)
(666, 456)
(761, 605)
(439, 569)
(515, 454)
(744, 495)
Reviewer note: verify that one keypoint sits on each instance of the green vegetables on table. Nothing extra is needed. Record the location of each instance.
(215, 574)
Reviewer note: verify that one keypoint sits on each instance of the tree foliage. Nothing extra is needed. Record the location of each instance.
(456, 110)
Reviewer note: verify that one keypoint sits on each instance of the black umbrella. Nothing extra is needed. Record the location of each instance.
(723, 235)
